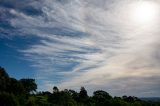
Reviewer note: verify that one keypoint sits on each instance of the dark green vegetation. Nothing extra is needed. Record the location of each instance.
(22, 92)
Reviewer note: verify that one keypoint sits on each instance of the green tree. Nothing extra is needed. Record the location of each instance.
(15, 92)
(101, 98)
(4, 80)
(29, 85)
(101, 94)
(3, 73)
(55, 89)
(7, 99)
(83, 96)
(83, 93)
(15, 87)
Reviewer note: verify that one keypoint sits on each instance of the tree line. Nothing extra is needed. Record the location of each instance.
(23, 92)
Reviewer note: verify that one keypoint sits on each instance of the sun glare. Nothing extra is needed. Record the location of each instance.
(144, 11)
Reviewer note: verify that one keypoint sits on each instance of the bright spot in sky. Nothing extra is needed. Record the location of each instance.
(144, 11)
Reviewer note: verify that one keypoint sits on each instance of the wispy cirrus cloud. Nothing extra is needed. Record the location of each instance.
(91, 43)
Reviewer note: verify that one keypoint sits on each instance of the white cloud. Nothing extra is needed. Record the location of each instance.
(101, 38)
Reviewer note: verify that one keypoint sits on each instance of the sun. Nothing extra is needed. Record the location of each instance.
(144, 11)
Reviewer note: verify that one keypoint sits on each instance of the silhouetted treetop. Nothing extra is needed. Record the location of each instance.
(3, 73)
(29, 85)
(15, 92)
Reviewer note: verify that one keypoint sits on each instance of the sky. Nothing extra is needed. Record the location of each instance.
(113, 45)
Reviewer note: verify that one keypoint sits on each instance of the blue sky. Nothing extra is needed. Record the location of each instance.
(105, 44)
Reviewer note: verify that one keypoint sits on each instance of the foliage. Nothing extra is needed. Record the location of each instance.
(29, 85)
(7, 99)
(21, 92)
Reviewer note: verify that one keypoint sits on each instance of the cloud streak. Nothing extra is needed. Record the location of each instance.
(90, 43)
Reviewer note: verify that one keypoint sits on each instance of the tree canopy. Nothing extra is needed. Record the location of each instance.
(23, 92)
